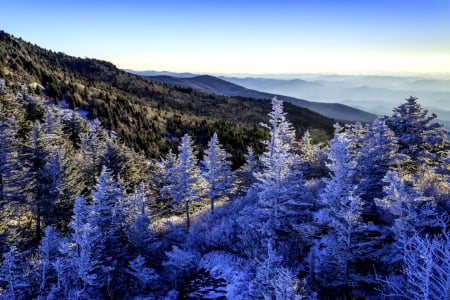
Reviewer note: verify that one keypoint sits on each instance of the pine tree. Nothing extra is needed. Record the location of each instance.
(92, 149)
(246, 173)
(12, 272)
(377, 155)
(159, 178)
(217, 171)
(312, 158)
(185, 182)
(48, 253)
(278, 163)
(106, 218)
(418, 138)
(341, 213)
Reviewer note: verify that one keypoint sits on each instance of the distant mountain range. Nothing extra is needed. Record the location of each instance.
(378, 95)
(221, 86)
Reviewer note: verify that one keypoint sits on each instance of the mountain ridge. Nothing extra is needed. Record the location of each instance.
(147, 115)
(221, 86)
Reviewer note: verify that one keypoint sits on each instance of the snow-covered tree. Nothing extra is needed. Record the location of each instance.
(418, 137)
(159, 178)
(217, 171)
(425, 272)
(106, 219)
(377, 155)
(48, 253)
(13, 275)
(138, 232)
(246, 173)
(92, 149)
(278, 163)
(341, 213)
(312, 158)
(185, 181)
(272, 280)
(412, 212)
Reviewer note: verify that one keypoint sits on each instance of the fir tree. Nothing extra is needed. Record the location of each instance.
(185, 182)
(217, 171)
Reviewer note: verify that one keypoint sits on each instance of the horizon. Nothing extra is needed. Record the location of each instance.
(406, 38)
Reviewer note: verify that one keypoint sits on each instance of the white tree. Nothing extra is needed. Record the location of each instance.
(272, 280)
(341, 214)
(411, 211)
(185, 182)
(246, 173)
(426, 270)
(278, 163)
(48, 254)
(217, 171)
(418, 137)
(12, 272)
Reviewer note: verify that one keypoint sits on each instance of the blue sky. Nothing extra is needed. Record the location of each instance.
(366, 36)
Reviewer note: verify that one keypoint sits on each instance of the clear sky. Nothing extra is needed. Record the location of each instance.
(239, 36)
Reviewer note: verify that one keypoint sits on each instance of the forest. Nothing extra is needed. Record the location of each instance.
(84, 216)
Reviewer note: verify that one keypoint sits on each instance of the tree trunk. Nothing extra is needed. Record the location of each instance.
(188, 220)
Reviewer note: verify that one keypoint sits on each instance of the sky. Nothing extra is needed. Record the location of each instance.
(239, 36)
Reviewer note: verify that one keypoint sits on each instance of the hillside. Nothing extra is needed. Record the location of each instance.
(148, 115)
(224, 86)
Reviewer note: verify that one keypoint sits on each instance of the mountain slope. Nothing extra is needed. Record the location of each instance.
(147, 115)
(219, 86)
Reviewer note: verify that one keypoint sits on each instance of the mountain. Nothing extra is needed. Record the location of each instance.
(221, 86)
(375, 94)
(161, 73)
(146, 114)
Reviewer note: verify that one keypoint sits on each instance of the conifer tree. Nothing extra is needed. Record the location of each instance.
(418, 137)
(217, 171)
(92, 149)
(278, 163)
(246, 173)
(185, 182)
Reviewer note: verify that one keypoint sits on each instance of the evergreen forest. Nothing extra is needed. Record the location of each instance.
(116, 187)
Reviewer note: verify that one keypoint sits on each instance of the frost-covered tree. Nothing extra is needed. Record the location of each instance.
(217, 171)
(124, 163)
(425, 271)
(418, 137)
(278, 163)
(10, 162)
(107, 219)
(92, 149)
(185, 181)
(99, 253)
(12, 179)
(48, 252)
(377, 155)
(341, 214)
(272, 280)
(39, 152)
(138, 232)
(411, 210)
(246, 173)
(13, 276)
(159, 178)
(312, 158)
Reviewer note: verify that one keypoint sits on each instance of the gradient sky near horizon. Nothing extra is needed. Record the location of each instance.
(251, 37)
